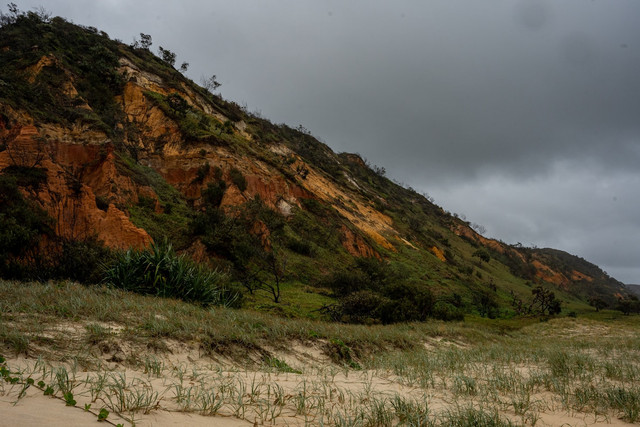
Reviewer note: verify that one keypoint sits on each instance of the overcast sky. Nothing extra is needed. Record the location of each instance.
(523, 115)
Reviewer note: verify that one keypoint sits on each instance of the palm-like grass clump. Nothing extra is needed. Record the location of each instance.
(159, 271)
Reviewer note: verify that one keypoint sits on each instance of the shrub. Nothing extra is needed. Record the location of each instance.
(486, 304)
(445, 311)
(483, 254)
(217, 173)
(408, 303)
(213, 194)
(400, 302)
(160, 271)
(299, 246)
(238, 179)
(83, 260)
(31, 177)
(544, 302)
(345, 281)
(201, 174)
(361, 307)
(22, 224)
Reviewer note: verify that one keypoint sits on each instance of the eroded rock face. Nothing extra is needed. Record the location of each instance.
(85, 192)
(356, 245)
(75, 174)
(438, 253)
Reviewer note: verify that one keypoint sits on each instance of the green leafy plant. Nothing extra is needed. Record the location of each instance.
(280, 365)
(103, 414)
(68, 398)
(159, 271)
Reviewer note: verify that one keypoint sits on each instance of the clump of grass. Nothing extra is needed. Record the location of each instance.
(470, 416)
(96, 333)
(339, 352)
(16, 340)
(130, 396)
(280, 365)
(160, 271)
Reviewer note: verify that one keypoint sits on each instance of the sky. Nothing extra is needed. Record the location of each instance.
(521, 115)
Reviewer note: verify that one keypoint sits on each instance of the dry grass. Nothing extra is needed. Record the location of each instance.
(143, 358)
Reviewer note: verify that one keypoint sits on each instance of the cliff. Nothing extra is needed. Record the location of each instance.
(133, 151)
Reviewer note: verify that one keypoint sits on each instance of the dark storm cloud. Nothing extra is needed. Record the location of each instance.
(513, 112)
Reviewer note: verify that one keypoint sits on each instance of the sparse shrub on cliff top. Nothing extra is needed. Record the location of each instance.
(159, 271)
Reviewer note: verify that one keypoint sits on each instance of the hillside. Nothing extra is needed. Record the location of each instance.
(634, 289)
(103, 143)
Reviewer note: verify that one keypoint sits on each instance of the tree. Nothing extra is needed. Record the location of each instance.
(167, 56)
(480, 229)
(544, 302)
(379, 170)
(629, 304)
(145, 41)
(14, 13)
(518, 305)
(486, 304)
(210, 84)
(251, 239)
(22, 224)
(184, 67)
(483, 254)
(266, 270)
(597, 303)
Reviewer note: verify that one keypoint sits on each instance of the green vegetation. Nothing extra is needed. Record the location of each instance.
(173, 220)
(372, 291)
(238, 179)
(84, 58)
(161, 272)
(475, 373)
(513, 348)
(298, 263)
(22, 224)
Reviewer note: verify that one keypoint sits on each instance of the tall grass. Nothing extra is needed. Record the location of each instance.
(159, 271)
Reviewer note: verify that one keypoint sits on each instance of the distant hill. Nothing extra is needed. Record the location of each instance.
(105, 143)
(634, 288)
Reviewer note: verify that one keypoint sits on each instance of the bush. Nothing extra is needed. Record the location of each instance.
(30, 177)
(299, 246)
(160, 271)
(345, 281)
(445, 311)
(213, 194)
(238, 179)
(361, 307)
(83, 261)
(408, 303)
(399, 302)
(22, 224)
(201, 174)
(483, 254)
